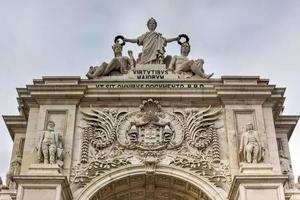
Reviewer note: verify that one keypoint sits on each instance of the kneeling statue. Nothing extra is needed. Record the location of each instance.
(181, 64)
(119, 63)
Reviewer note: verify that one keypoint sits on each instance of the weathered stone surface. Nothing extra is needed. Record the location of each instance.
(108, 125)
(153, 130)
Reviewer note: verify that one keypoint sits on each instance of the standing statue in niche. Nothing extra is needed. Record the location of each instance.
(181, 64)
(153, 44)
(50, 148)
(284, 163)
(119, 63)
(15, 166)
(251, 147)
(286, 168)
(14, 169)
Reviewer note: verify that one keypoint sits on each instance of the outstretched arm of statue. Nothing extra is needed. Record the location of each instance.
(131, 40)
(171, 39)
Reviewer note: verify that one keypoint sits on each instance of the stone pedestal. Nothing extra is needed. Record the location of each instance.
(43, 187)
(261, 168)
(33, 187)
(43, 169)
(7, 194)
(292, 194)
(257, 187)
(43, 181)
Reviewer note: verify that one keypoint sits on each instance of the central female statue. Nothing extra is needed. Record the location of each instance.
(153, 44)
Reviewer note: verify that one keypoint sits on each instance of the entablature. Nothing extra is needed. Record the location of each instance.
(16, 124)
(225, 90)
(285, 124)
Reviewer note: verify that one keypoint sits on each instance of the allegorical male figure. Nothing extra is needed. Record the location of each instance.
(251, 148)
(182, 64)
(153, 44)
(50, 146)
(119, 63)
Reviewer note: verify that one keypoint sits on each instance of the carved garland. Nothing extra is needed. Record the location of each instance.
(85, 144)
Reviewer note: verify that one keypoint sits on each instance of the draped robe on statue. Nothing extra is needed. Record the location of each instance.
(153, 46)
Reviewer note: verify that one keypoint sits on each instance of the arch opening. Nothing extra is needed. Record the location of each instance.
(166, 183)
(150, 187)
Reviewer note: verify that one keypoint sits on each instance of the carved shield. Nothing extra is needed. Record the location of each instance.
(150, 135)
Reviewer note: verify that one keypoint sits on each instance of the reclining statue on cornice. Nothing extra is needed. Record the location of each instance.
(183, 65)
(119, 64)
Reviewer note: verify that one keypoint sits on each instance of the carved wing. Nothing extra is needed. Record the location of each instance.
(201, 127)
(100, 127)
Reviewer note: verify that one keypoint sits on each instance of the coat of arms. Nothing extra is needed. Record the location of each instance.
(150, 129)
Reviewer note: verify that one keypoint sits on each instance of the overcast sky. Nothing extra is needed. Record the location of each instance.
(56, 37)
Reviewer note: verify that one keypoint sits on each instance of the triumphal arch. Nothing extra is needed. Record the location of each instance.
(155, 127)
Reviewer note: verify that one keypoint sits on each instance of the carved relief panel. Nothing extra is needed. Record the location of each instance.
(151, 135)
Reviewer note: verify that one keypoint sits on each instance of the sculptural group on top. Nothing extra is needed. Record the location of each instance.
(153, 53)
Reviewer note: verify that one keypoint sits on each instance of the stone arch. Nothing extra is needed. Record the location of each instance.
(212, 192)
